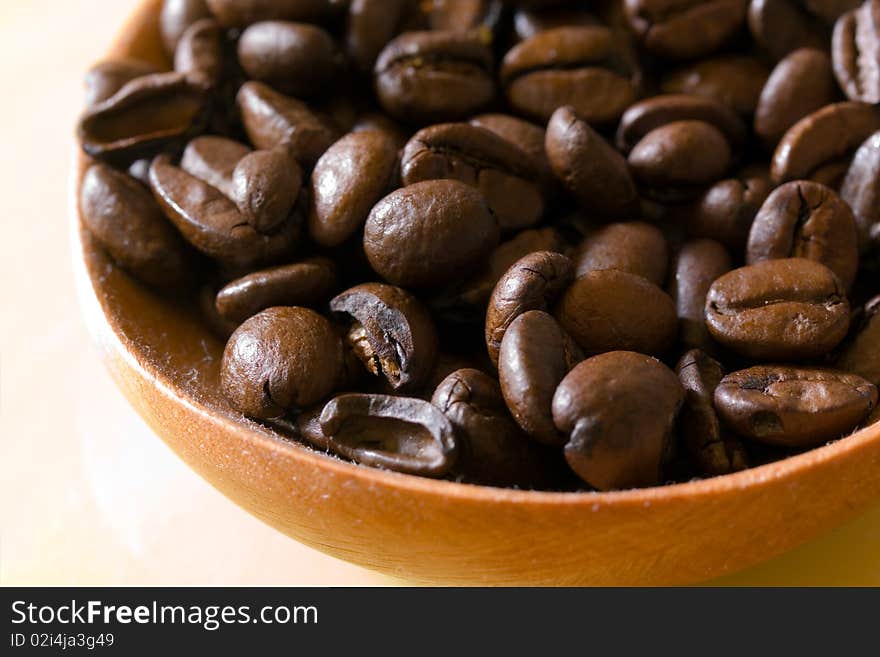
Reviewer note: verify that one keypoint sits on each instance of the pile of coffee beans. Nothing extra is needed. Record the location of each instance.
(550, 244)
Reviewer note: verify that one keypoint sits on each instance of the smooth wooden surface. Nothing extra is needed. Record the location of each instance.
(422, 531)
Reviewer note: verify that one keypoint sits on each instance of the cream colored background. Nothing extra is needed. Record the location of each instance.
(89, 495)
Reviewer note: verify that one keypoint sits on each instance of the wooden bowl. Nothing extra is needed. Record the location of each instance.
(167, 365)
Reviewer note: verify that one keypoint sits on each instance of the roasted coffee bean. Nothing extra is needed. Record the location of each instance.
(610, 310)
(381, 123)
(790, 309)
(697, 265)
(199, 52)
(465, 15)
(147, 115)
(633, 246)
(585, 67)
(106, 78)
(371, 25)
(394, 433)
(589, 167)
(734, 80)
(295, 58)
(213, 159)
(780, 27)
(493, 449)
(428, 77)
(532, 283)
(618, 411)
(535, 355)
(212, 223)
(709, 446)
(855, 50)
(348, 180)
(861, 354)
(305, 283)
(429, 233)
(271, 119)
(528, 22)
(390, 332)
(528, 136)
(241, 13)
(122, 216)
(793, 406)
(828, 134)
(265, 187)
(177, 15)
(278, 360)
(861, 189)
(803, 219)
(800, 84)
(506, 176)
(686, 28)
(725, 211)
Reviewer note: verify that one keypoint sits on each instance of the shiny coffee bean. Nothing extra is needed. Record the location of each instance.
(734, 80)
(528, 22)
(793, 406)
(393, 433)
(370, 26)
(265, 187)
(109, 76)
(803, 219)
(212, 160)
(618, 411)
(790, 309)
(177, 15)
(633, 246)
(855, 51)
(528, 136)
(241, 13)
(861, 188)
(278, 360)
(861, 353)
(199, 52)
(390, 332)
(780, 27)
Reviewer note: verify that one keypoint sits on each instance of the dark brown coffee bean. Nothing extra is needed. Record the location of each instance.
(528, 136)
(803, 219)
(371, 25)
(265, 187)
(861, 189)
(381, 123)
(199, 52)
(828, 134)
(734, 80)
(532, 283)
(791, 309)
(506, 176)
(348, 180)
(584, 67)
(305, 283)
(278, 360)
(709, 446)
(212, 223)
(241, 13)
(618, 411)
(528, 22)
(800, 84)
(781, 26)
(686, 28)
(855, 50)
(147, 115)
(125, 220)
(212, 159)
(793, 406)
(588, 167)
(272, 119)
(493, 449)
(633, 246)
(465, 15)
(861, 354)
(535, 355)
(106, 78)
(698, 263)
(390, 332)
(429, 233)
(394, 433)
(177, 15)
(428, 77)
(609, 310)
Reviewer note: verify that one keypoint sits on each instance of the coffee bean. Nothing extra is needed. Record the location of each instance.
(528, 136)
(199, 52)
(265, 187)
(371, 25)
(535, 355)
(781, 26)
(390, 332)
(503, 173)
(278, 360)
(585, 67)
(803, 219)
(855, 51)
(861, 354)
(793, 406)
(241, 13)
(529, 22)
(177, 15)
(533, 282)
(122, 216)
(212, 159)
(394, 433)
(588, 167)
(861, 188)
(618, 411)
(428, 77)
(107, 77)
(465, 15)
(709, 446)
(633, 246)
(734, 80)
(790, 309)
(611, 310)
(429, 233)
